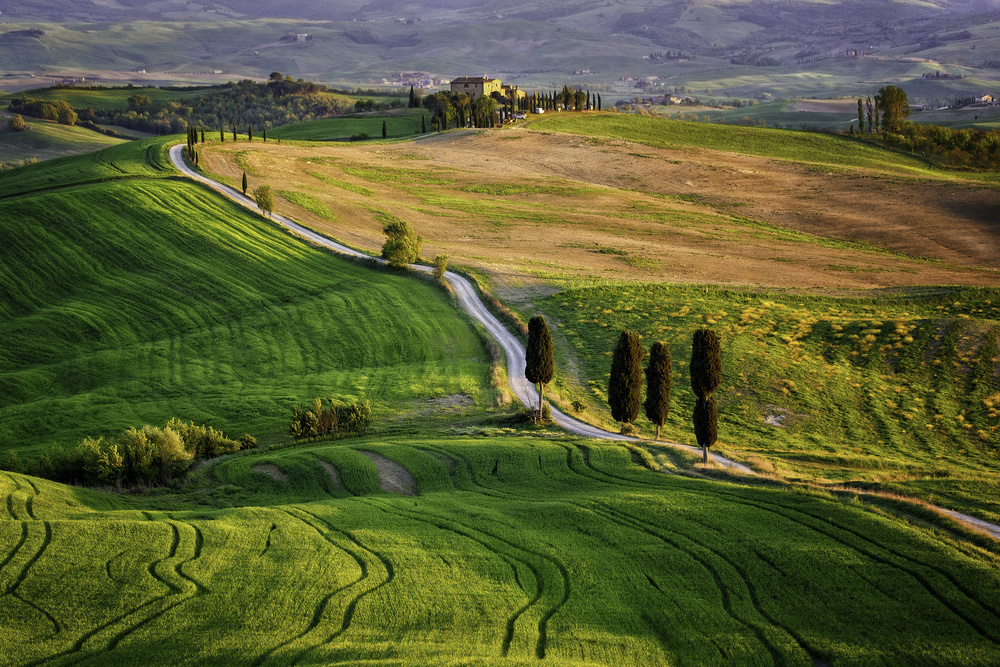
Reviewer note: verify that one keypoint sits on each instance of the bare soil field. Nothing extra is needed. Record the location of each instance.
(521, 205)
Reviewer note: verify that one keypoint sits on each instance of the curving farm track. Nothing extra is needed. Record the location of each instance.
(470, 302)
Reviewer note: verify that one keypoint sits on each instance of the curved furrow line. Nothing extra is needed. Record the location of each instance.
(659, 483)
(267, 543)
(199, 541)
(477, 486)
(23, 574)
(539, 580)
(176, 590)
(17, 547)
(988, 630)
(626, 520)
(320, 611)
(449, 524)
(29, 503)
(390, 575)
(10, 506)
(747, 581)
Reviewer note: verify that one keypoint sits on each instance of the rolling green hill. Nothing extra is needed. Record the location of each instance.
(129, 297)
(515, 551)
(47, 139)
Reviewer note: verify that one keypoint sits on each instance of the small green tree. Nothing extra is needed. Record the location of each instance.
(402, 245)
(423, 124)
(659, 375)
(539, 367)
(244, 183)
(440, 266)
(265, 200)
(625, 385)
(139, 102)
(894, 107)
(16, 123)
(706, 375)
(67, 116)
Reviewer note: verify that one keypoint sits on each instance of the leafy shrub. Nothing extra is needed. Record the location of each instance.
(318, 420)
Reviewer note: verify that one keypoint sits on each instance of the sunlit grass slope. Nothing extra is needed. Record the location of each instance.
(47, 139)
(899, 393)
(402, 123)
(808, 147)
(516, 551)
(132, 300)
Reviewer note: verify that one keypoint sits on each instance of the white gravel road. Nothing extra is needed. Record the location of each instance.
(470, 302)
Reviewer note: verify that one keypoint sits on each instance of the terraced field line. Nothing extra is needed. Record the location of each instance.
(470, 302)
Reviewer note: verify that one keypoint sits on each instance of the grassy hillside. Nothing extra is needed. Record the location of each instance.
(46, 140)
(516, 551)
(807, 147)
(403, 123)
(128, 298)
(895, 393)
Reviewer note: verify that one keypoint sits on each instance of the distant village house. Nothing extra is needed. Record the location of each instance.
(477, 86)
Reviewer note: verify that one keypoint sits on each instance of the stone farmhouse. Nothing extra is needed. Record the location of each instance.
(477, 86)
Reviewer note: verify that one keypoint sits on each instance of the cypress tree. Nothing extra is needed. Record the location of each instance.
(411, 105)
(861, 116)
(423, 123)
(598, 101)
(538, 365)
(202, 135)
(249, 133)
(706, 375)
(244, 183)
(625, 385)
(383, 129)
(264, 134)
(659, 375)
(222, 135)
(234, 131)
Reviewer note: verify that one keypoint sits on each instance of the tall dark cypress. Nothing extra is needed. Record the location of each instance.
(423, 123)
(411, 105)
(539, 367)
(249, 133)
(244, 183)
(659, 375)
(383, 129)
(706, 375)
(861, 116)
(625, 385)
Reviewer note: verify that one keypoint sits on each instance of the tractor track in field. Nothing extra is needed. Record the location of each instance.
(470, 302)
(826, 526)
(13, 591)
(669, 538)
(469, 532)
(318, 524)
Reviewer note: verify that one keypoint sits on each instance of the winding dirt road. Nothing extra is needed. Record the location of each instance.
(470, 302)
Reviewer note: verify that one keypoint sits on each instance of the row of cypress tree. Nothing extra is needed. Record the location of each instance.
(625, 385)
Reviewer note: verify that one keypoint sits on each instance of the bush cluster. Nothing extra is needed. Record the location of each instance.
(333, 418)
(139, 457)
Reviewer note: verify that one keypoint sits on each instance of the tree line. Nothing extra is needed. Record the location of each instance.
(140, 457)
(886, 114)
(279, 101)
(627, 374)
(332, 417)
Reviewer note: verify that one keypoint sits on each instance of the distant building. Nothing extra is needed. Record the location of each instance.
(476, 86)
(984, 99)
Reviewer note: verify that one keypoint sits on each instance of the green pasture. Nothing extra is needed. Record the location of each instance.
(399, 124)
(117, 97)
(798, 146)
(516, 550)
(131, 296)
(895, 393)
(47, 139)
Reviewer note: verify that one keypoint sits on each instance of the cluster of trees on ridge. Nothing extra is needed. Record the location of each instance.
(458, 110)
(625, 384)
(333, 418)
(279, 101)
(137, 458)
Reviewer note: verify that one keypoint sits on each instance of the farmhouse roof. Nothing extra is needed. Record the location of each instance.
(472, 79)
